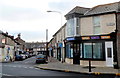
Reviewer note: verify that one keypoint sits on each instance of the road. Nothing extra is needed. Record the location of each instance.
(26, 69)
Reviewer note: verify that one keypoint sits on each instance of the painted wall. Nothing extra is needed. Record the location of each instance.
(107, 23)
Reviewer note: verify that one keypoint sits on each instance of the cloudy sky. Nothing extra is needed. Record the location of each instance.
(31, 19)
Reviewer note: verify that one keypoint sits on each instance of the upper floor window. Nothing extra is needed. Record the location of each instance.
(70, 27)
(96, 25)
(77, 26)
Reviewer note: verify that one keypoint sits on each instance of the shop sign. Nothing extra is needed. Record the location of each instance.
(68, 39)
(85, 38)
(95, 37)
(105, 37)
(3, 41)
(8, 48)
(110, 24)
(60, 45)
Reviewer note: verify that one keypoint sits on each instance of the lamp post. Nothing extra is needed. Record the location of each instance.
(60, 25)
(59, 13)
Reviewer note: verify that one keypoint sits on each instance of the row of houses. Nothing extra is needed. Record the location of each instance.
(36, 47)
(89, 34)
(9, 46)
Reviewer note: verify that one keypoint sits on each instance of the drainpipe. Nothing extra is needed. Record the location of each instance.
(116, 66)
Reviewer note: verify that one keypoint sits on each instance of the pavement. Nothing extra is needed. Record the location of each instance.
(56, 65)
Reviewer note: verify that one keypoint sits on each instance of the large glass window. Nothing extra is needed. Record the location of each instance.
(87, 50)
(70, 27)
(69, 50)
(92, 51)
(97, 50)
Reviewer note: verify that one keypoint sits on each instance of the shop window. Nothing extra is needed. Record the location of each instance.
(92, 51)
(81, 55)
(87, 50)
(97, 50)
(71, 50)
(68, 50)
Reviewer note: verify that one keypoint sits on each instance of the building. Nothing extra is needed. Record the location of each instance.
(36, 47)
(21, 43)
(7, 47)
(93, 34)
(56, 44)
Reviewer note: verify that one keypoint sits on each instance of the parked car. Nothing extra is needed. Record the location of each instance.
(40, 58)
(28, 54)
(18, 57)
(23, 56)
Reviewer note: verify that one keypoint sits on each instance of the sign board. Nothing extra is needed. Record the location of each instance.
(85, 38)
(105, 37)
(95, 37)
(68, 39)
(3, 41)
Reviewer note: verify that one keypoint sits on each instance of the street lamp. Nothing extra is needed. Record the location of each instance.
(60, 25)
(59, 13)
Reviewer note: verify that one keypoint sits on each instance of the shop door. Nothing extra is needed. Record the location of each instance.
(109, 53)
(76, 53)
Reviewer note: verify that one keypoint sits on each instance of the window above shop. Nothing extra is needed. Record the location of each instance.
(96, 25)
(70, 27)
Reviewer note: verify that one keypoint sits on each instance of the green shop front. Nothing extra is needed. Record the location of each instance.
(100, 49)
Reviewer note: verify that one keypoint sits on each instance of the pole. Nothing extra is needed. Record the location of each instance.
(61, 35)
(89, 65)
(47, 54)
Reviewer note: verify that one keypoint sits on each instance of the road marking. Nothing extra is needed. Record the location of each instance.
(14, 66)
(6, 74)
(21, 66)
(25, 67)
(36, 68)
(31, 67)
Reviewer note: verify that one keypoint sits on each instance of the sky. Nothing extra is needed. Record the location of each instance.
(31, 19)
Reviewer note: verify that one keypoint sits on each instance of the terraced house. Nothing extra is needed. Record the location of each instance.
(7, 47)
(91, 34)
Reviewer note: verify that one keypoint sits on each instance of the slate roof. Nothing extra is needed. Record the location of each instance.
(105, 8)
(35, 45)
(78, 10)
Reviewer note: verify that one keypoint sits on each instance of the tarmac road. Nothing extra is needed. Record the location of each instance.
(26, 69)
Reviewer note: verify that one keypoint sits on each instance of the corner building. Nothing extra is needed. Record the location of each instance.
(91, 34)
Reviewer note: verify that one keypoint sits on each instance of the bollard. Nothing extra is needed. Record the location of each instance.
(90, 66)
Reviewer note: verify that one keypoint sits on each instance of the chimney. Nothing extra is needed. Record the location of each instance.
(19, 35)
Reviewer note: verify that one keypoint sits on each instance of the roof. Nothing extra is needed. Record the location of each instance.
(79, 10)
(35, 45)
(105, 8)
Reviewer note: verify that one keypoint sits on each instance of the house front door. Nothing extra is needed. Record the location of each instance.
(109, 53)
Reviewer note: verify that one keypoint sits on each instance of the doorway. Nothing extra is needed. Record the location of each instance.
(76, 53)
(109, 53)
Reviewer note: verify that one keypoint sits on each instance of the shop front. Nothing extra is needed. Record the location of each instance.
(100, 49)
